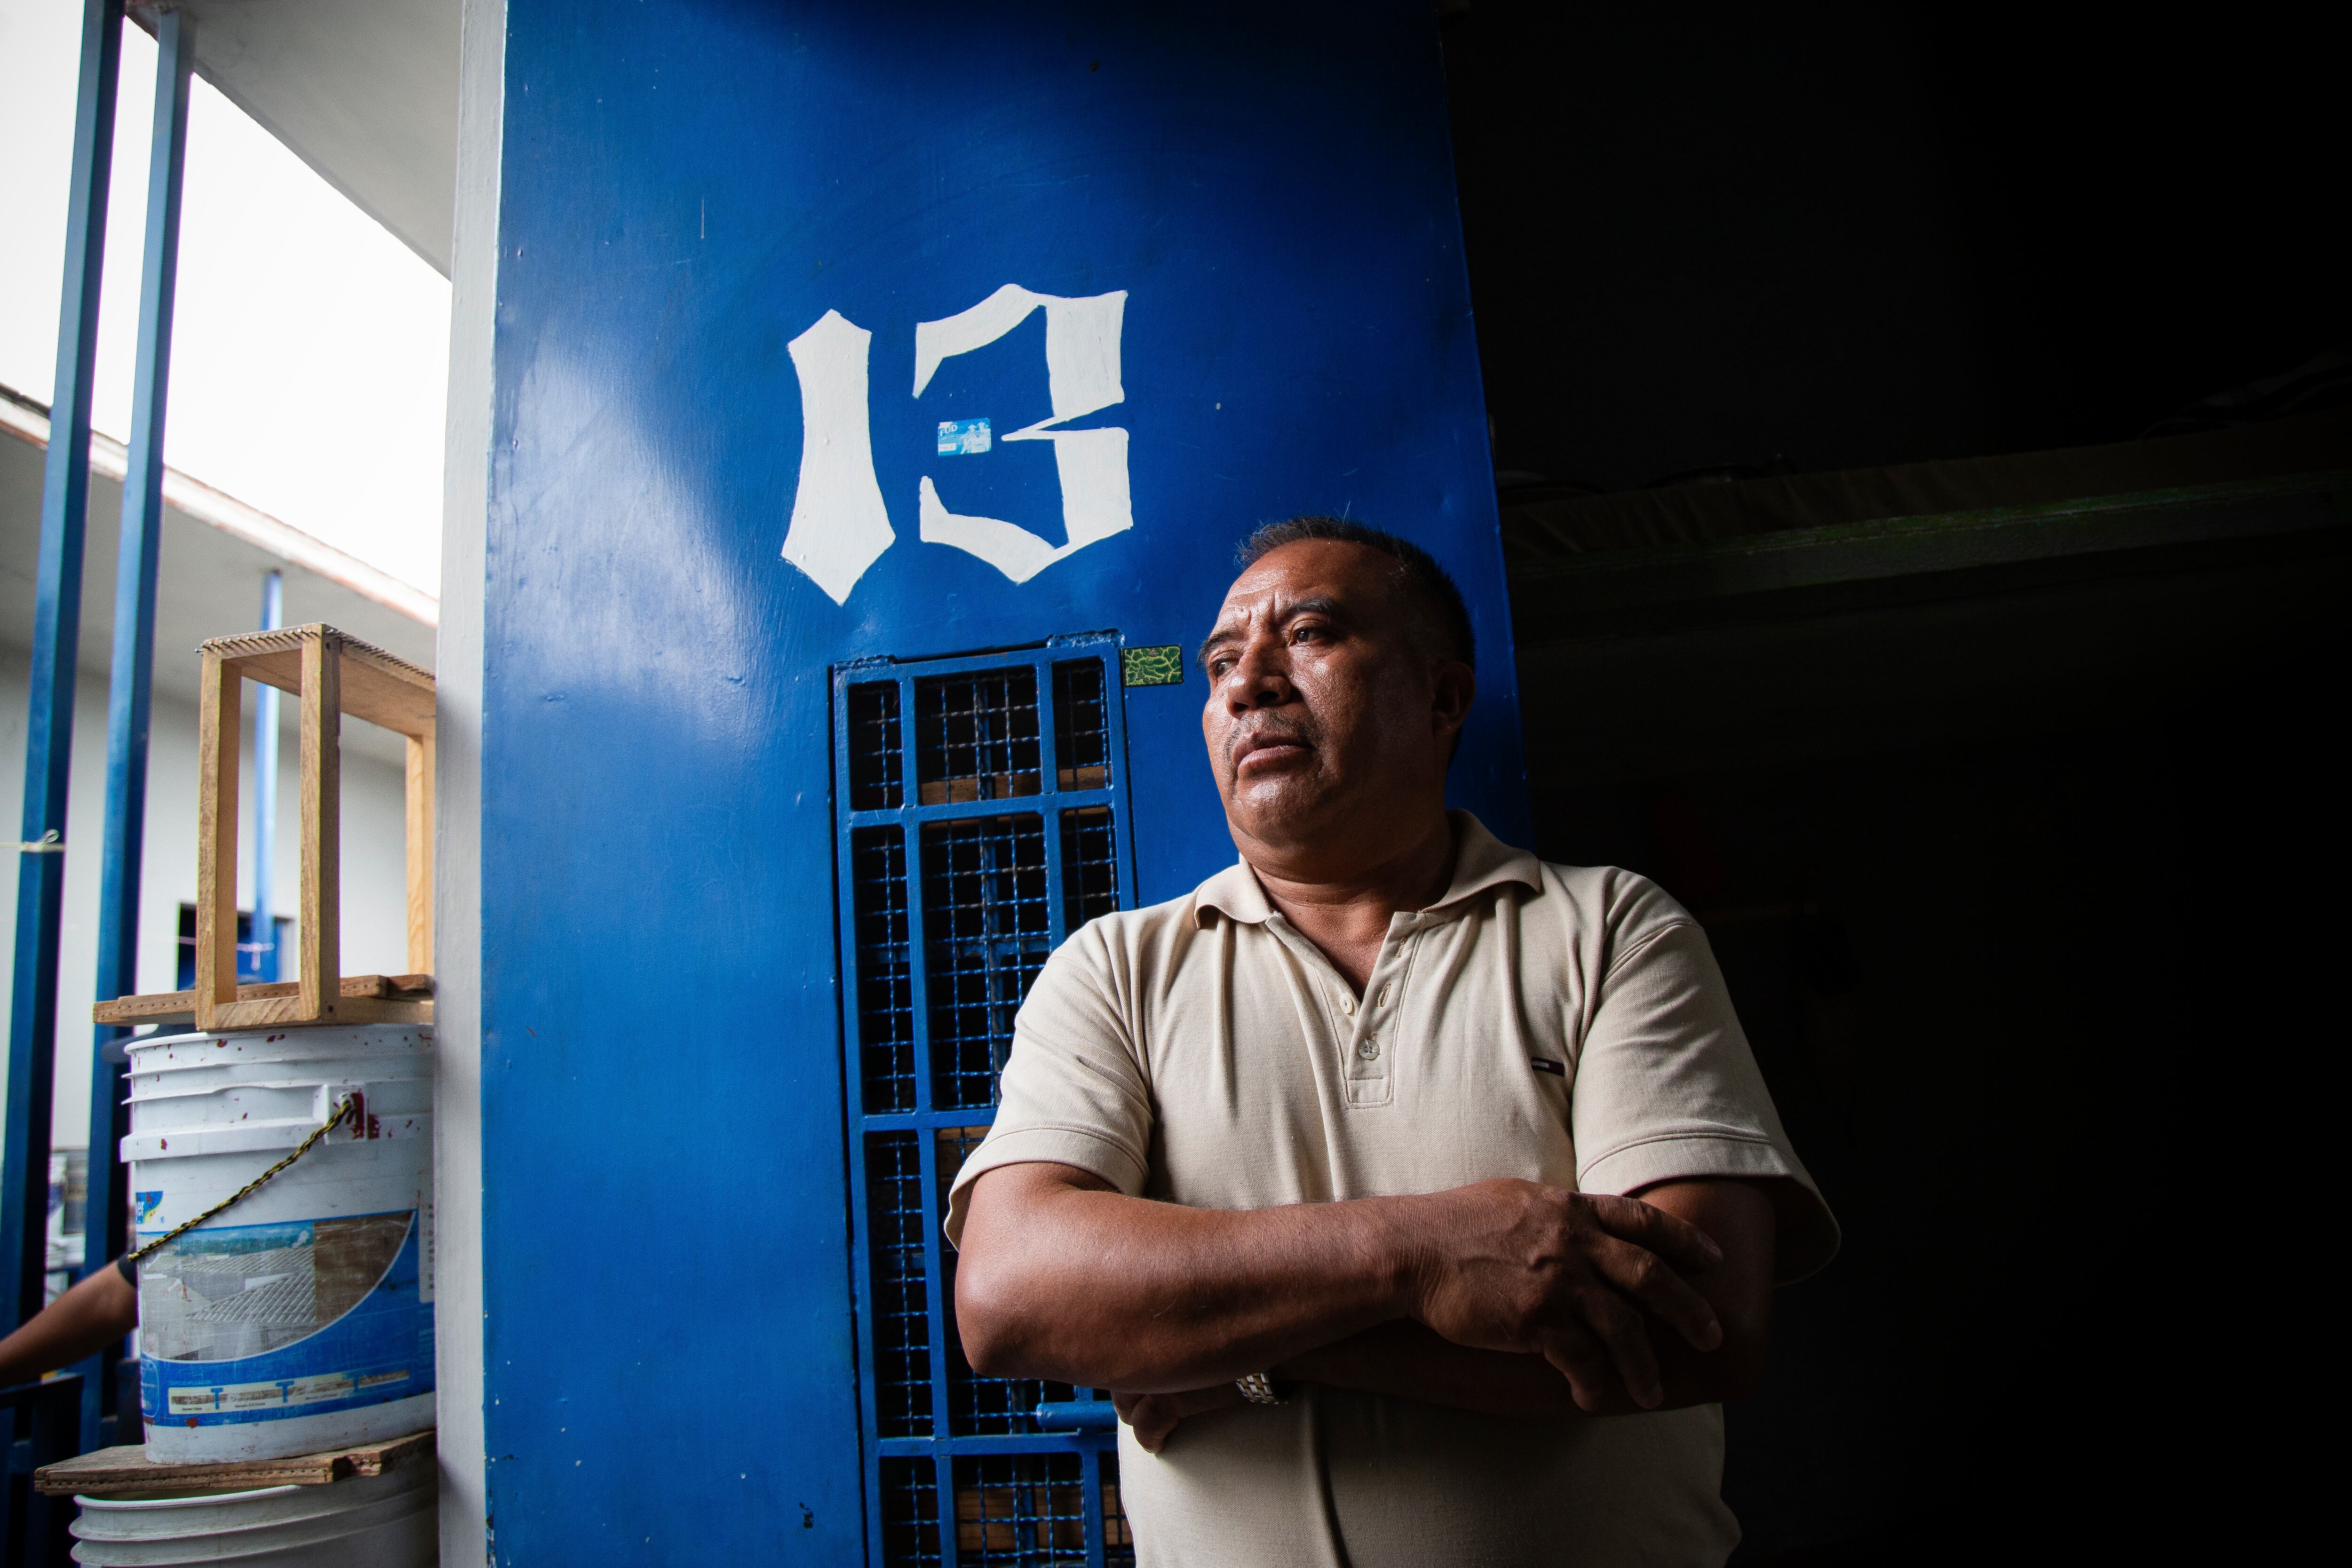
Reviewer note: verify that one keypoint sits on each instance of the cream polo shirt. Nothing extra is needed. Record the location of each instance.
(1562, 1024)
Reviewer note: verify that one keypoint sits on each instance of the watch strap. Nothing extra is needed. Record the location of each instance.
(1258, 1389)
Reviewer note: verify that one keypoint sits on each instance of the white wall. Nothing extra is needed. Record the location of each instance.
(374, 860)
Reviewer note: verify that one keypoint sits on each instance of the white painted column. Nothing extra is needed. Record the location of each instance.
(457, 790)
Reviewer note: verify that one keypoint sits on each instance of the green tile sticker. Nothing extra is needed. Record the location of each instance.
(1161, 666)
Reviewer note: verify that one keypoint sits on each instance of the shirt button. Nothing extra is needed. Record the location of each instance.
(1370, 1049)
(1348, 1005)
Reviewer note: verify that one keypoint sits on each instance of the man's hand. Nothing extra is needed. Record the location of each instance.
(1154, 1416)
(1516, 1266)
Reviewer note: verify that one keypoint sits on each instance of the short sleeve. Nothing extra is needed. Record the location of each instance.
(1073, 1092)
(1666, 1088)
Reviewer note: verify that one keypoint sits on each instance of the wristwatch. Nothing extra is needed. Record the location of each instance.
(1258, 1389)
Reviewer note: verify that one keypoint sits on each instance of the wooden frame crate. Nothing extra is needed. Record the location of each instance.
(329, 675)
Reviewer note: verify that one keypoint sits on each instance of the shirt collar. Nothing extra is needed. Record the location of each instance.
(1481, 861)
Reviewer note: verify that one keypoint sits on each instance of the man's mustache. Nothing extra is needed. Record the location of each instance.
(1284, 733)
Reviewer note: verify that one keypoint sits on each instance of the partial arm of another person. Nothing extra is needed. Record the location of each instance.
(1410, 1360)
(100, 1310)
(1062, 1276)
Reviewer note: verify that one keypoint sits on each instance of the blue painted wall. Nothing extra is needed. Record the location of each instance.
(687, 188)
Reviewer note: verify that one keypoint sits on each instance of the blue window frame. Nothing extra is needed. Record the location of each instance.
(981, 811)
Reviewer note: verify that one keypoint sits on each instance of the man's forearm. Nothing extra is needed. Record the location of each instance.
(1063, 1277)
(1119, 1292)
(1412, 1361)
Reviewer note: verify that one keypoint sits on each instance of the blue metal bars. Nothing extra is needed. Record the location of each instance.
(32, 1527)
(129, 694)
(56, 636)
(980, 807)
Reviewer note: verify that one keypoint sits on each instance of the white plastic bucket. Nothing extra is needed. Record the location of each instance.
(366, 1521)
(301, 1319)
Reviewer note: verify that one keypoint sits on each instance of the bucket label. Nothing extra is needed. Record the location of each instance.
(196, 1399)
(243, 1322)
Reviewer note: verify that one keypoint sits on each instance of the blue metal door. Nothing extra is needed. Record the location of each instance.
(834, 333)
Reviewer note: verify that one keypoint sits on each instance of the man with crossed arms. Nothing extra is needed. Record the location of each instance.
(1419, 1200)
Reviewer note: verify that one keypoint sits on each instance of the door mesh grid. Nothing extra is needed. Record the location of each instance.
(976, 735)
(901, 1313)
(975, 1404)
(983, 898)
(885, 1008)
(987, 929)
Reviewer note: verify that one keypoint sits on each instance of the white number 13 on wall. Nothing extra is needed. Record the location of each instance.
(840, 526)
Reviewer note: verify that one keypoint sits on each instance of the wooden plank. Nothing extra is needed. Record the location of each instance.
(319, 962)
(388, 1010)
(273, 658)
(126, 1469)
(265, 1013)
(386, 690)
(219, 736)
(155, 1007)
(275, 1012)
(179, 1006)
(410, 986)
(378, 687)
(420, 853)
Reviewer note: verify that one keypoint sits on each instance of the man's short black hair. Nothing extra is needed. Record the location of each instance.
(1444, 614)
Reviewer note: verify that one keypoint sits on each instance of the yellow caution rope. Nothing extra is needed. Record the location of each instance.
(250, 1188)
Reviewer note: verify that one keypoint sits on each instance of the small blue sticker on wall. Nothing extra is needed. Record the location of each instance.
(145, 1204)
(963, 437)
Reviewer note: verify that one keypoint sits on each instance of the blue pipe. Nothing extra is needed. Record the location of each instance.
(130, 693)
(57, 638)
(1077, 1415)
